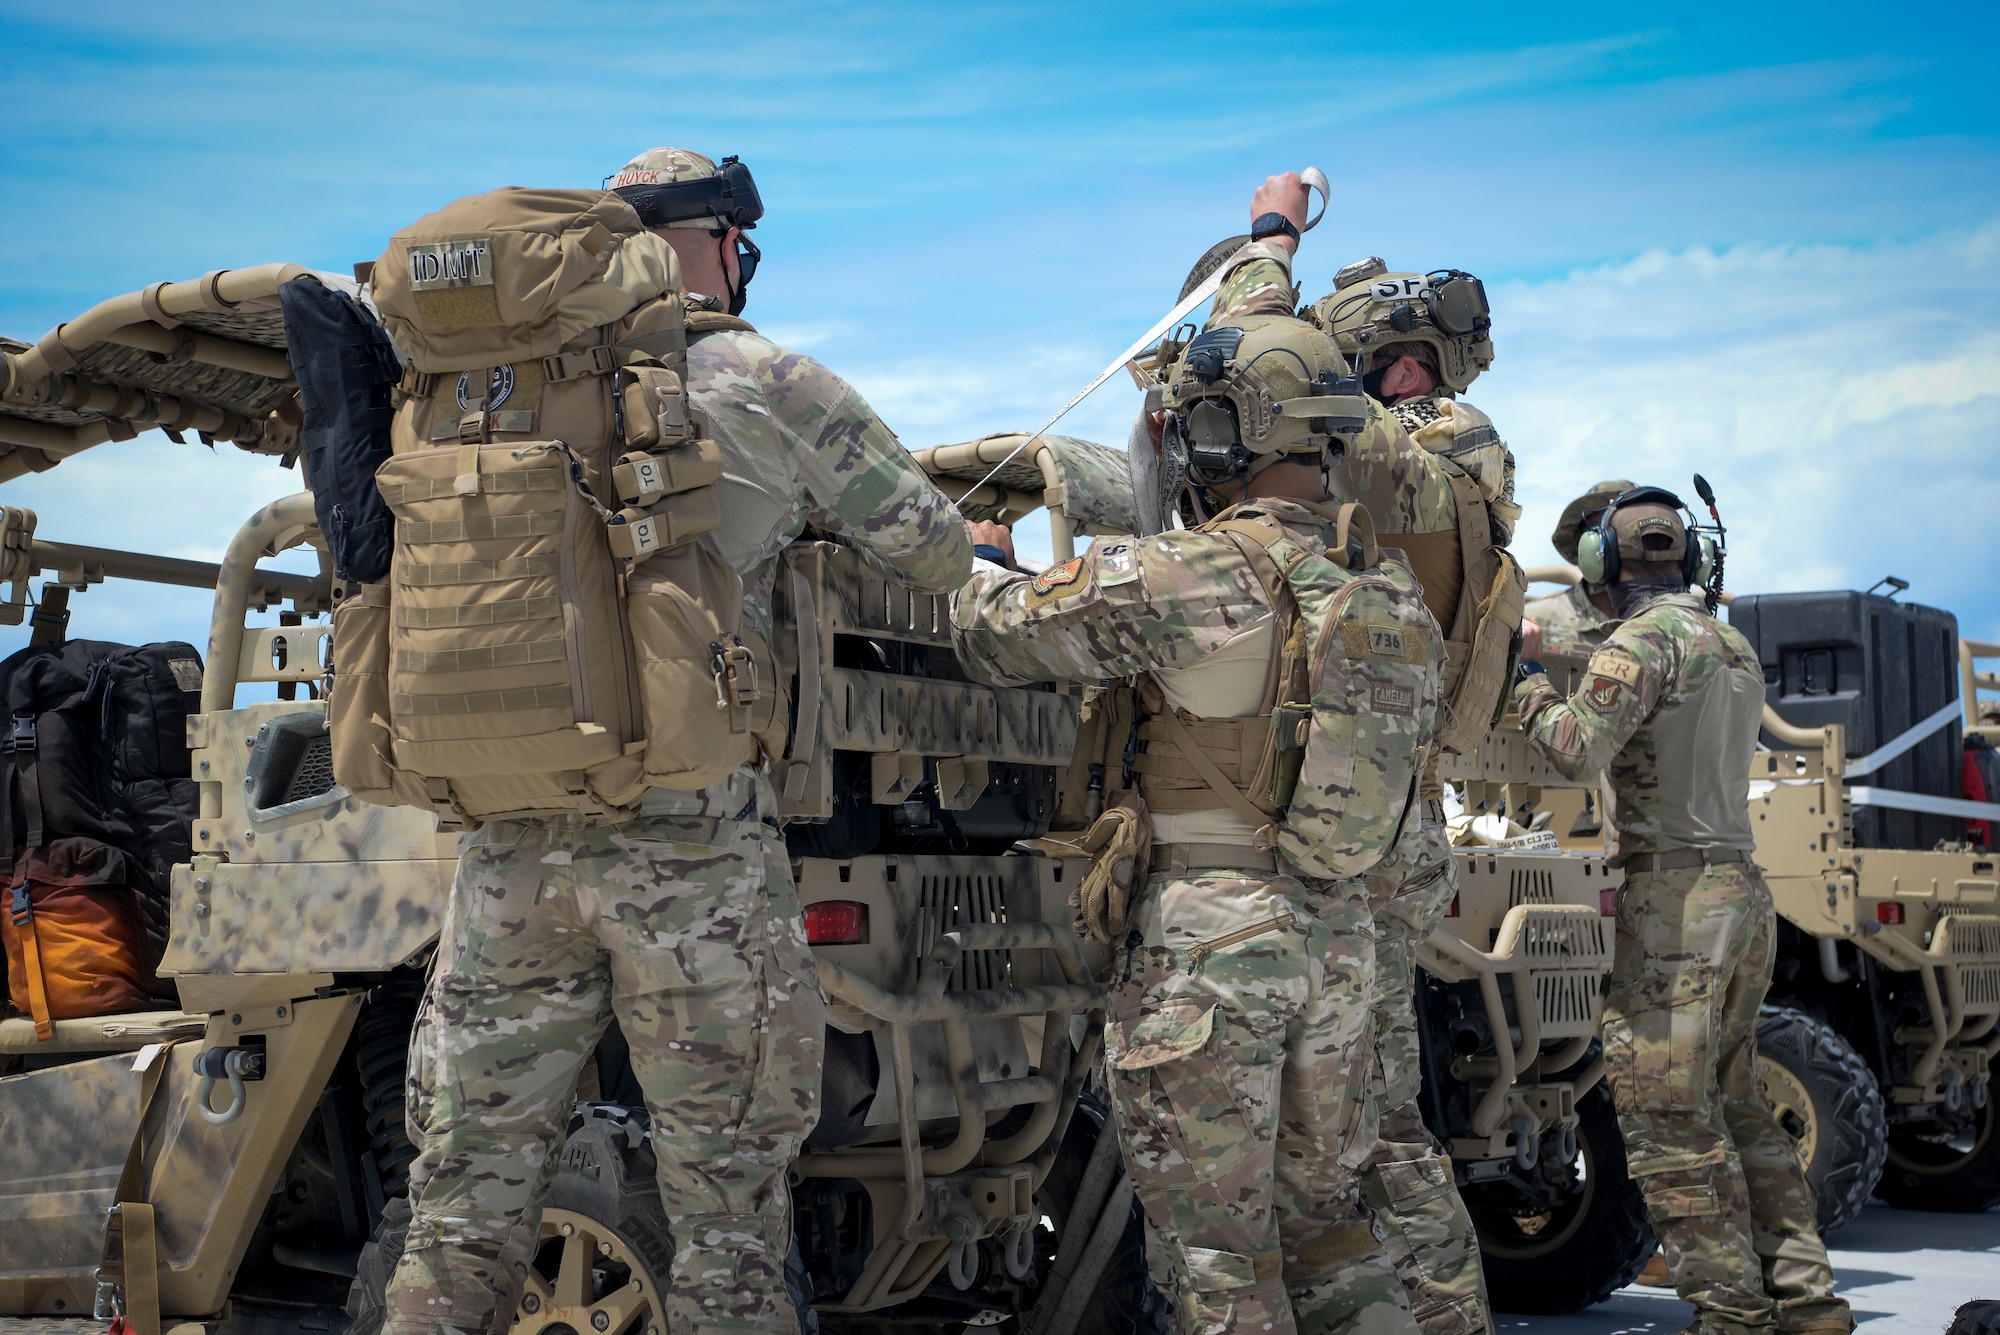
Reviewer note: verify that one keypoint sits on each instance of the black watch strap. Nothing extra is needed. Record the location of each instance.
(1273, 224)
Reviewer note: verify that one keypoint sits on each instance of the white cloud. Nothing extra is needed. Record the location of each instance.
(1841, 399)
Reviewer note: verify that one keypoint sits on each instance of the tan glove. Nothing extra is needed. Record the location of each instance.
(1120, 843)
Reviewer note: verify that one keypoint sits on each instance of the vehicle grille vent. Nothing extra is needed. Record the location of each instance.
(1567, 1001)
(947, 902)
(314, 774)
(1530, 885)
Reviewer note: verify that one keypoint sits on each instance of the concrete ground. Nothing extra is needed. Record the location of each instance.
(1904, 1271)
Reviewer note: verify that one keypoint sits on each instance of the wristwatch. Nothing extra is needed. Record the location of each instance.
(1273, 224)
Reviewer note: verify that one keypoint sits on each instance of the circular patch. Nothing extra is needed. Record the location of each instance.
(499, 384)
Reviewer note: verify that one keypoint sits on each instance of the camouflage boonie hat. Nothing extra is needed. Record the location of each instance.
(1649, 534)
(1571, 526)
(667, 166)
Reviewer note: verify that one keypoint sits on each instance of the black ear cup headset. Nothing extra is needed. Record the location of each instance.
(1701, 563)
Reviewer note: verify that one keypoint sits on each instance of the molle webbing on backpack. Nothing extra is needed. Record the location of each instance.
(552, 639)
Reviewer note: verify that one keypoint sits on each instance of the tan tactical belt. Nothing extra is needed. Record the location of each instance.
(1212, 857)
(1676, 858)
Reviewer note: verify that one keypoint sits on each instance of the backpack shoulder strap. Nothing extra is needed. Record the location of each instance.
(713, 322)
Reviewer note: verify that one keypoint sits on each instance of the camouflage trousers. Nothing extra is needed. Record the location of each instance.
(1408, 1179)
(1733, 1212)
(1237, 1061)
(687, 929)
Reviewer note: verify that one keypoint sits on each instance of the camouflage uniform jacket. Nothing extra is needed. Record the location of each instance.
(1669, 709)
(801, 447)
(1570, 623)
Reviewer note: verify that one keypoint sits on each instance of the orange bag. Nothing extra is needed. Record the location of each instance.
(71, 928)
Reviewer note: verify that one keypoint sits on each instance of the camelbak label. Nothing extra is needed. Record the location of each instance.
(1394, 699)
(442, 264)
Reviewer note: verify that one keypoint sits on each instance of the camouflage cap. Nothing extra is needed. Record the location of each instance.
(667, 166)
(1649, 533)
(1577, 513)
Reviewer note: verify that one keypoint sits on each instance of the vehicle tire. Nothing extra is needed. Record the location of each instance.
(605, 1243)
(1582, 1252)
(1827, 1100)
(1125, 1301)
(1960, 1174)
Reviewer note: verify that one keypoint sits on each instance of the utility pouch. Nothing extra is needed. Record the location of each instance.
(652, 407)
(357, 701)
(1120, 843)
(1291, 725)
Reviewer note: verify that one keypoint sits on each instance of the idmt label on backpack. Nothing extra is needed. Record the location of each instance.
(467, 262)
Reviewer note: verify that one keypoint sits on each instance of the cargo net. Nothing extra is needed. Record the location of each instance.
(948, 901)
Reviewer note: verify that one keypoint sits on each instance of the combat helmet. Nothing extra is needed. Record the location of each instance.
(1583, 513)
(1242, 396)
(677, 187)
(1444, 313)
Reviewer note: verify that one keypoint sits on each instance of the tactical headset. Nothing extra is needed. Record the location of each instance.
(1597, 550)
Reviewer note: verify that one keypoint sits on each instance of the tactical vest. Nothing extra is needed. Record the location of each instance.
(1327, 771)
(1474, 587)
(552, 639)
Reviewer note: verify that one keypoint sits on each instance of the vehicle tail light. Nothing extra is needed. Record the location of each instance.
(1889, 914)
(837, 922)
(1607, 902)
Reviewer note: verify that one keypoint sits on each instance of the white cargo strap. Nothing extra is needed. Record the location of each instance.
(1882, 755)
(1312, 177)
(1923, 802)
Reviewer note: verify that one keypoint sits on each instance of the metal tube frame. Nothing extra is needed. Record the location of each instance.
(907, 1256)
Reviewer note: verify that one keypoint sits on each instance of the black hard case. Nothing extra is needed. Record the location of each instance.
(1876, 667)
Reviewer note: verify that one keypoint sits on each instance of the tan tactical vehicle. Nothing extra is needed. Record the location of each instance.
(241, 1160)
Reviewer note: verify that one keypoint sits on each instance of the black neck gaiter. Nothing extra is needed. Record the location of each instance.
(1629, 596)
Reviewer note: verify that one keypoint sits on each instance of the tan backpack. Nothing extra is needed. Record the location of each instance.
(552, 640)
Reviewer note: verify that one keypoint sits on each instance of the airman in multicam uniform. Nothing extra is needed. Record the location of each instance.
(682, 923)
(1238, 1050)
(1439, 482)
(1576, 620)
(1669, 709)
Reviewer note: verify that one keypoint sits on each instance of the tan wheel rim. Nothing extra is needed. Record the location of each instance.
(1788, 1098)
(575, 1301)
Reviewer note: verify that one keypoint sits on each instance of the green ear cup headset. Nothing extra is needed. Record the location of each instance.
(1597, 550)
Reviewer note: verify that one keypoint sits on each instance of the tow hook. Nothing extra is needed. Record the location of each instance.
(235, 1065)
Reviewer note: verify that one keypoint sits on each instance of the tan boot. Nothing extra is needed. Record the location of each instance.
(1655, 1275)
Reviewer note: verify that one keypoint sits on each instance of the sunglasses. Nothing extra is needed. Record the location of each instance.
(747, 253)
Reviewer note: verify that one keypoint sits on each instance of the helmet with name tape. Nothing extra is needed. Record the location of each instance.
(1440, 318)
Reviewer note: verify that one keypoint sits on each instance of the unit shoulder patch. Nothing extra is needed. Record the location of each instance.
(1604, 694)
(1617, 667)
(1058, 582)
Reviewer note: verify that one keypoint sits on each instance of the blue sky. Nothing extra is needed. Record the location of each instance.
(1761, 242)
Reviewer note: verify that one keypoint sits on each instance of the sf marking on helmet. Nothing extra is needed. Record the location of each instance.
(1441, 317)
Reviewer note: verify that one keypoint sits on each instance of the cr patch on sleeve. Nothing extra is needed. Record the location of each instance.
(1615, 666)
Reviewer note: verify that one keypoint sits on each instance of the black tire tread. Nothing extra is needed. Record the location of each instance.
(1856, 1119)
(1604, 1255)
